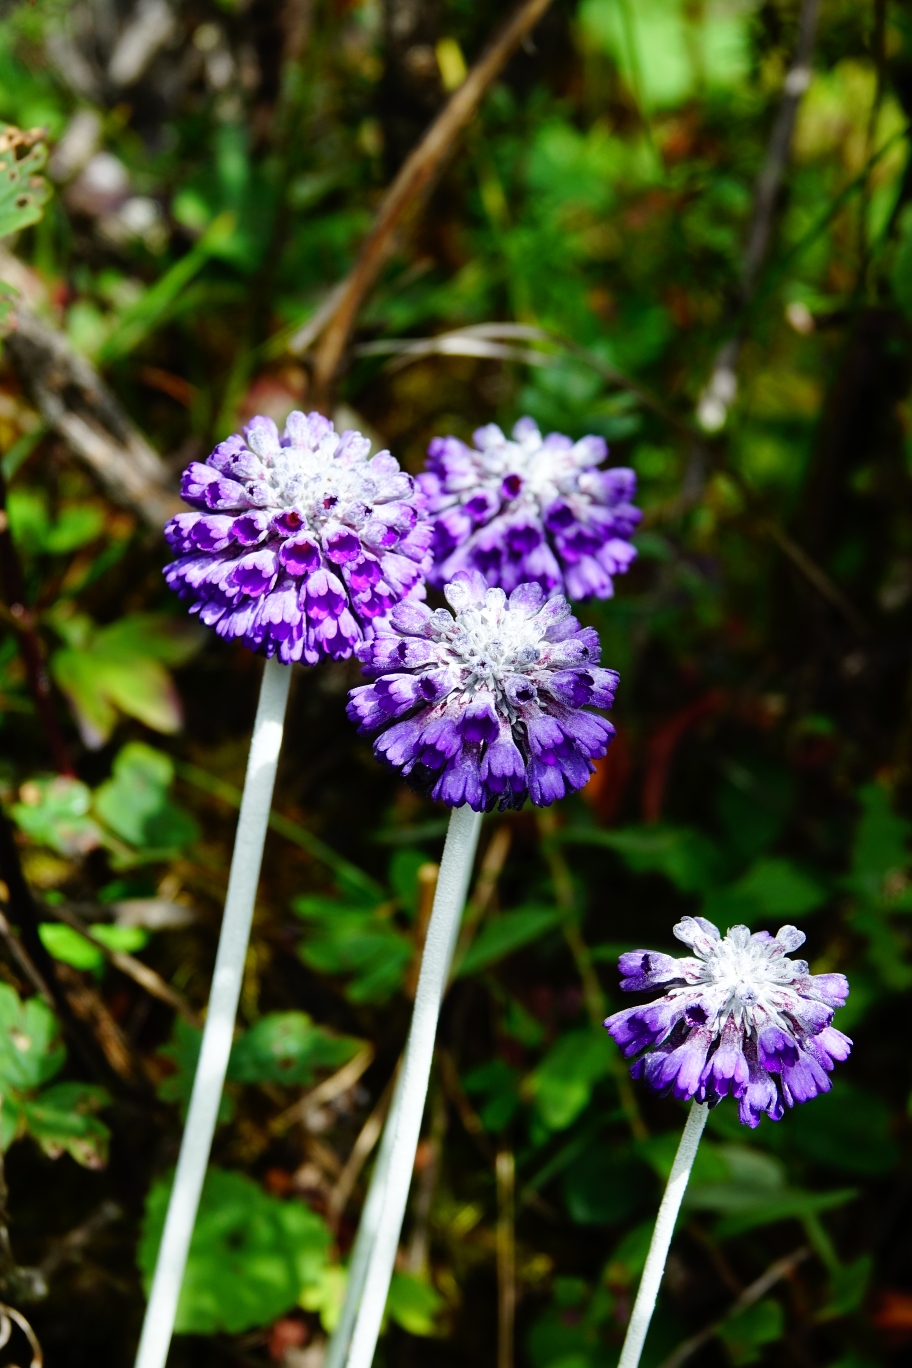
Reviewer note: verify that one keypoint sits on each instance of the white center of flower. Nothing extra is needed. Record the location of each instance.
(319, 488)
(746, 977)
(546, 472)
(491, 643)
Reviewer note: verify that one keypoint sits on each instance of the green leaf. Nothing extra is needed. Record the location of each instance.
(784, 1207)
(563, 1082)
(63, 1121)
(602, 1187)
(684, 855)
(497, 1085)
(848, 1129)
(403, 876)
(413, 1304)
(356, 943)
(183, 1051)
(780, 888)
(745, 1334)
(77, 525)
(23, 192)
(286, 1047)
(121, 668)
(881, 843)
(251, 1256)
(69, 947)
(135, 805)
(504, 934)
(55, 812)
(30, 1051)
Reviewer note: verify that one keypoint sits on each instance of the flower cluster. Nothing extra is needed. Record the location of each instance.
(486, 707)
(297, 543)
(531, 509)
(737, 1017)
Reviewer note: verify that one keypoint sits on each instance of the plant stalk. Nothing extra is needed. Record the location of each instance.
(219, 1030)
(648, 1292)
(393, 1179)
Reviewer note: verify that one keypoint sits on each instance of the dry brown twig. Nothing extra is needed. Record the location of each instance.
(409, 188)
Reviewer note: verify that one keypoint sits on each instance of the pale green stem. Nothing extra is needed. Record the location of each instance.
(648, 1292)
(404, 1124)
(158, 1325)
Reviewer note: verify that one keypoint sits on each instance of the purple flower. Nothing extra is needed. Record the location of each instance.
(298, 543)
(531, 509)
(487, 708)
(737, 1017)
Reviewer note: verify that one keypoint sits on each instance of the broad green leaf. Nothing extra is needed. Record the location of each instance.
(55, 812)
(251, 1256)
(134, 803)
(286, 1047)
(881, 843)
(562, 1084)
(62, 1119)
(754, 803)
(848, 1128)
(30, 1052)
(766, 1210)
(602, 1187)
(506, 933)
(684, 855)
(413, 1304)
(745, 1334)
(23, 191)
(780, 888)
(69, 947)
(359, 944)
(122, 668)
(496, 1085)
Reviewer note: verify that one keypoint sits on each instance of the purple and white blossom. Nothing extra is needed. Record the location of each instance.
(737, 1017)
(297, 544)
(530, 509)
(487, 707)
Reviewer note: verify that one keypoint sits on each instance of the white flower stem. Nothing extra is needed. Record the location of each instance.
(217, 1036)
(363, 1248)
(645, 1302)
(405, 1118)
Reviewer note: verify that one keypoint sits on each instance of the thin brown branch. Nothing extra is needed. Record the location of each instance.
(140, 973)
(360, 1153)
(818, 578)
(427, 886)
(324, 1092)
(506, 1256)
(429, 1152)
(410, 186)
(719, 393)
(751, 1294)
(492, 863)
(74, 401)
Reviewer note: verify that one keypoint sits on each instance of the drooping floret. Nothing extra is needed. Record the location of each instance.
(738, 1017)
(487, 707)
(530, 509)
(296, 544)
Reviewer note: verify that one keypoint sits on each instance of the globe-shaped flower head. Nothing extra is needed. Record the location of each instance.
(738, 1017)
(531, 509)
(487, 707)
(297, 543)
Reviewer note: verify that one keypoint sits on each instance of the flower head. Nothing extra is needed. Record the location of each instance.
(297, 543)
(530, 510)
(738, 1017)
(487, 707)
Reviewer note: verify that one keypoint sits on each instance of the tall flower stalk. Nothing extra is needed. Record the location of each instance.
(219, 1030)
(294, 544)
(738, 1017)
(481, 707)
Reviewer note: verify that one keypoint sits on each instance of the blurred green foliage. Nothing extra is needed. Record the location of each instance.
(205, 201)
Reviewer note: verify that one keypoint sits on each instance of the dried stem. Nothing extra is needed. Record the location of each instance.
(366, 1140)
(506, 1257)
(752, 1293)
(29, 642)
(410, 185)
